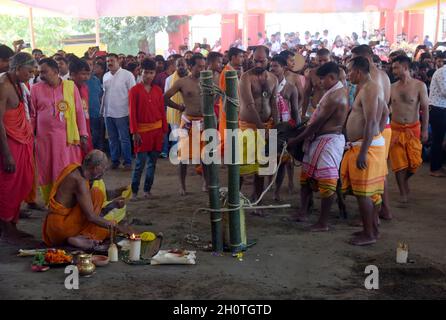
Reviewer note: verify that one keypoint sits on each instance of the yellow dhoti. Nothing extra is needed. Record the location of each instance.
(370, 181)
(249, 143)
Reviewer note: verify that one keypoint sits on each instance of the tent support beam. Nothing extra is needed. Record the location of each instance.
(245, 25)
(97, 29)
(31, 28)
(437, 26)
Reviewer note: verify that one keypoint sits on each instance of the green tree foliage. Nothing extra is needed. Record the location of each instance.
(127, 35)
(122, 35)
(49, 32)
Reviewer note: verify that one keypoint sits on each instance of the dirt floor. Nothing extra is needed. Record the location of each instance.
(286, 263)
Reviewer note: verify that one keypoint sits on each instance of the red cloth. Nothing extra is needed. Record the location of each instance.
(147, 109)
(14, 188)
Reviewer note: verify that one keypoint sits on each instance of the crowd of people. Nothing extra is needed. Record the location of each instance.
(339, 45)
(62, 114)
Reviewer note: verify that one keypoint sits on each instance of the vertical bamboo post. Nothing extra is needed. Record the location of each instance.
(210, 122)
(233, 167)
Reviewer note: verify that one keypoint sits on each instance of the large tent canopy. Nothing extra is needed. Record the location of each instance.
(92, 9)
(95, 9)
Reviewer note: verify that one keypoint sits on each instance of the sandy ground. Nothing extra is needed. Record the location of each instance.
(286, 263)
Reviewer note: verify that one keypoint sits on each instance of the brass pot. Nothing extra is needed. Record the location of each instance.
(85, 265)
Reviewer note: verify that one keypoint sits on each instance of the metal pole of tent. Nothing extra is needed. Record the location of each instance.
(31, 28)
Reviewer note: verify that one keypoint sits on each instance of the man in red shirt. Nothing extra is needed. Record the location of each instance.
(148, 125)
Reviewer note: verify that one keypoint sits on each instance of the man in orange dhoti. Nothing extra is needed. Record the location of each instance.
(75, 208)
(408, 97)
(364, 168)
(16, 146)
(383, 81)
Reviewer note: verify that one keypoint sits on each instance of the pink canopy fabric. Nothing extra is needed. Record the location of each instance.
(91, 9)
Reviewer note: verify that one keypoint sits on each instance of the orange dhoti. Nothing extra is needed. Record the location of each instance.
(62, 223)
(406, 148)
(387, 135)
(370, 181)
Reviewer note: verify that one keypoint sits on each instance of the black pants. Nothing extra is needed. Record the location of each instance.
(437, 120)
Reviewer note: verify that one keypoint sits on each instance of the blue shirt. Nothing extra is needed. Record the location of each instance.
(95, 93)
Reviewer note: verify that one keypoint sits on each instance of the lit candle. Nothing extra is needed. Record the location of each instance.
(135, 248)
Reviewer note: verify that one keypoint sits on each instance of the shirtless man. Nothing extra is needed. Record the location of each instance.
(16, 146)
(192, 110)
(75, 214)
(214, 62)
(383, 81)
(364, 166)
(258, 104)
(313, 87)
(288, 108)
(408, 96)
(292, 77)
(324, 146)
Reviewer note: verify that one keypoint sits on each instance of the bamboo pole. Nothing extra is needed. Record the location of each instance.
(210, 122)
(31, 28)
(233, 167)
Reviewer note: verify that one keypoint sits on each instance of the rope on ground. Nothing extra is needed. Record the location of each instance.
(194, 240)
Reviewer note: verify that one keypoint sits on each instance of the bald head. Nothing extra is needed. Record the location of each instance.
(260, 59)
(261, 50)
(95, 158)
(94, 166)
